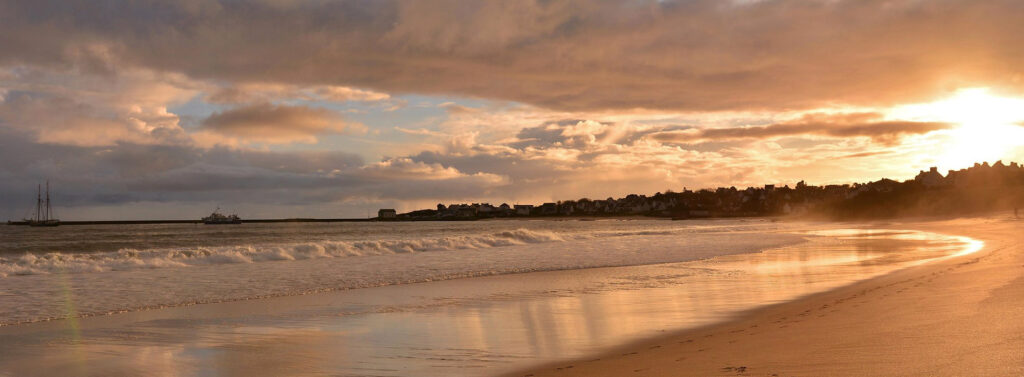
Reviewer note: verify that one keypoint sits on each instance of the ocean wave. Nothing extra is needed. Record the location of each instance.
(130, 259)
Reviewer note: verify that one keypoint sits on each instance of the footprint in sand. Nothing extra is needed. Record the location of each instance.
(738, 370)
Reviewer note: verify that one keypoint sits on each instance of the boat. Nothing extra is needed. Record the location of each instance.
(217, 218)
(44, 212)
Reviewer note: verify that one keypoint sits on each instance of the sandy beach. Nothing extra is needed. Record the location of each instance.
(957, 317)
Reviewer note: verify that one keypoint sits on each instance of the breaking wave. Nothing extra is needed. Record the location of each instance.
(129, 259)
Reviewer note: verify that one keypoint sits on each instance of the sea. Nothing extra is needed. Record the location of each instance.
(472, 298)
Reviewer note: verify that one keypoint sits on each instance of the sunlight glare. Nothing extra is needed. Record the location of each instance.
(988, 127)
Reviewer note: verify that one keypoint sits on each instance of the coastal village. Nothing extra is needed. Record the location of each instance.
(982, 187)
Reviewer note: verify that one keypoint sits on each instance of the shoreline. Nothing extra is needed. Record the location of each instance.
(612, 314)
(900, 323)
(146, 222)
(451, 260)
(371, 219)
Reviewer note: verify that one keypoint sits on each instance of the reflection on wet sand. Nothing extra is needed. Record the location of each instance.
(479, 326)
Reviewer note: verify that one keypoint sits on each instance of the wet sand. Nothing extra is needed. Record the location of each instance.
(956, 317)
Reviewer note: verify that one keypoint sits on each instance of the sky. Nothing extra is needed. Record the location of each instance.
(336, 108)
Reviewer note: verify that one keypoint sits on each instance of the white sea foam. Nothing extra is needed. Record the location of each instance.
(105, 269)
(128, 259)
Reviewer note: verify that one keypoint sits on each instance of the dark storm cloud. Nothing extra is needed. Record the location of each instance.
(572, 54)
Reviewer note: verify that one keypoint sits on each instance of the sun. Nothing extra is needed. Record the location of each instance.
(988, 127)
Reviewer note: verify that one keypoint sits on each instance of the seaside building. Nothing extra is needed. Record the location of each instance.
(523, 209)
(387, 213)
(466, 212)
(549, 209)
(931, 178)
(485, 209)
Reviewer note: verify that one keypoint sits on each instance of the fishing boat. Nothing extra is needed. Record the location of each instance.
(44, 215)
(217, 218)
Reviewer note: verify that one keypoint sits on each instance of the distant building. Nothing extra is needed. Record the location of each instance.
(387, 213)
(523, 209)
(466, 212)
(549, 209)
(641, 207)
(931, 178)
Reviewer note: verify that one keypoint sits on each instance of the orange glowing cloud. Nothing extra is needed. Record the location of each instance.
(278, 124)
(839, 126)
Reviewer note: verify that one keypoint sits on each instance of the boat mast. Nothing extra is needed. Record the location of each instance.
(47, 201)
(39, 201)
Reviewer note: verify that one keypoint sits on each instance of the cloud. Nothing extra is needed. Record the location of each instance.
(294, 183)
(574, 157)
(341, 93)
(404, 167)
(168, 102)
(68, 107)
(454, 108)
(250, 92)
(60, 119)
(553, 160)
(418, 131)
(845, 125)
(577, 133)
(569, 55)
(278, 124)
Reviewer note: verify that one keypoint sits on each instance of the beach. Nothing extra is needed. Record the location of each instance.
(747, 297)
(423, 188)
(957, 317)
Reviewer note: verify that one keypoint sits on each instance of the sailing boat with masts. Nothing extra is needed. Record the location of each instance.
(44, 212)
